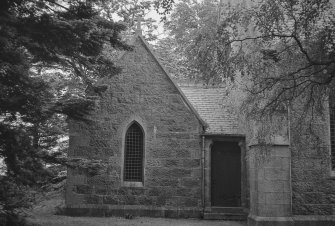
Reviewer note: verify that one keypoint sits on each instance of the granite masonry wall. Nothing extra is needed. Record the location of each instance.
(313, 189)
(270, 185)
(172, 159)
(291, 184)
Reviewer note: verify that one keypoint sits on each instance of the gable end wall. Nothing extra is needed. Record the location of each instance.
(172, 173)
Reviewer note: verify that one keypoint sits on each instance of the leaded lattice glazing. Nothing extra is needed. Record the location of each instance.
(133, 163)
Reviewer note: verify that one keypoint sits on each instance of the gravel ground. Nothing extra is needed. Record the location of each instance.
(43, 214)
(54, 220)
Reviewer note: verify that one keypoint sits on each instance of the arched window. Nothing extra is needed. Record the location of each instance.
(134, 148)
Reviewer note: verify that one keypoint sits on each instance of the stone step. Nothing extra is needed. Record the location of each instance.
(226, 216)
(226, 213)
(225, 210)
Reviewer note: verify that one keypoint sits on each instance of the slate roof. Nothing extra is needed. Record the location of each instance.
(213, 106)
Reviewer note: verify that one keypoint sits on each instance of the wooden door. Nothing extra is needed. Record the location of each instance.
(226, 174)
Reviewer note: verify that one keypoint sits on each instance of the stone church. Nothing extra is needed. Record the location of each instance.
(177, 151)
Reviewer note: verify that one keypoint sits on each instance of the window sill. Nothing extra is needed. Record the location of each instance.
(132, 184)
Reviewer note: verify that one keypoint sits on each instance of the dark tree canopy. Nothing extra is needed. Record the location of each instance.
(43, 45)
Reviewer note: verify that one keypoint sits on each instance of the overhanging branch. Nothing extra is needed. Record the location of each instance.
(291, 36)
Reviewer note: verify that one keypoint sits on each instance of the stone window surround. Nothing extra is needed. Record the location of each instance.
(124, 127)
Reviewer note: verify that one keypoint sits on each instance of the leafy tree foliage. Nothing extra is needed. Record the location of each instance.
(283, 50)
(38, 39)
(174, 61)
(164, 7)
(200, 39)
(288, 53)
